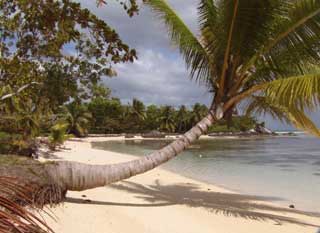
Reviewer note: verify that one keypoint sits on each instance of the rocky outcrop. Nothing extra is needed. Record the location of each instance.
(154, 134)
(129, 135)
(260, 129)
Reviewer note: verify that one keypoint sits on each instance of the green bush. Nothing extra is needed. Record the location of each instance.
(16, 144)
(58, 135)
(238, 124)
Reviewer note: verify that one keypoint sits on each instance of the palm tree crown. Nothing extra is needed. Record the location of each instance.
(265, 53)
(167, 119)
(76, 118)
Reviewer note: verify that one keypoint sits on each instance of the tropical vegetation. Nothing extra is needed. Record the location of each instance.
(262, 54)
(109, 116)
(259, 56)
(39, 75)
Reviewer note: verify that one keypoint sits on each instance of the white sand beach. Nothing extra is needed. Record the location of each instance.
(163, 202)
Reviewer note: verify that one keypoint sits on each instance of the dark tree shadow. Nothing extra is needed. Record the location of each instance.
(236, 205)
(89, 201)
(48, 154)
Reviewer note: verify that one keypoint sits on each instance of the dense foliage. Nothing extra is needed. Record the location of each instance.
(51, 52)
(108, 115)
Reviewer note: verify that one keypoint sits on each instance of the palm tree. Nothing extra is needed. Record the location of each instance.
(182, 119)
(152, 121)
(28, 119)
(167, 122)
(199, 111)
(76, 117)
(9, 105)
(261, 52)
(134, 115)
(20, 118)
(255, 51)
(58, 135)
(138, 109)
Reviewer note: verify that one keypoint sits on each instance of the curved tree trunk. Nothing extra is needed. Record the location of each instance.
(75, 176)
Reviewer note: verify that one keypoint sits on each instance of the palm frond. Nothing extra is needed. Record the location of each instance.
(302, 121)
(195, 56)
(263, 105)
(259, 105)
(254, 21)
(295, 92)
(10, 95)
(208, 21)
(87, 115)
(16, 217)
(301, 24)
(296, 31)
(228, 47)
(82, 120)
(208, 16)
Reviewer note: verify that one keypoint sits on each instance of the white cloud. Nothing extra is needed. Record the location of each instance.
(159, 75)
(155, 79)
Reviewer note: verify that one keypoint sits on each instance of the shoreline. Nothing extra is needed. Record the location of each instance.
(203, 137)
(222, 135)
(161, 201)
(279, 200)
(139, 138)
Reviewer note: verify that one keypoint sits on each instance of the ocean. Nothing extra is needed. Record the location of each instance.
(286, 168)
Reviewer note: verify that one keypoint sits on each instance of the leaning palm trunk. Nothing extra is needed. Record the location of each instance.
(75, 176)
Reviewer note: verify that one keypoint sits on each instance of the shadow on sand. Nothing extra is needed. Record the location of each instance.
(236, 205)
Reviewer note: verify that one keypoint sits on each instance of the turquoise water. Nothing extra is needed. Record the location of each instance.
(282, 167)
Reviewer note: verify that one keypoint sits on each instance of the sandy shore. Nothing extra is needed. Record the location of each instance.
(163, 202)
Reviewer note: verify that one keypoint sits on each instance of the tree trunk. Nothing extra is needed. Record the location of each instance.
(228, 117)
(75, 176)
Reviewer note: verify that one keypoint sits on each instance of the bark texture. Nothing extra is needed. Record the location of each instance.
(75, 176)
(30, 180)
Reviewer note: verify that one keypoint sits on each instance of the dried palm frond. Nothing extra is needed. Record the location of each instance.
(36, 185)
(18, 213)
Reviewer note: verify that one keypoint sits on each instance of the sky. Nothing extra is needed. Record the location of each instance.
(159, 76)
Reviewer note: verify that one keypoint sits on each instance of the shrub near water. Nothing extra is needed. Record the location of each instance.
(58, 135)
(11, 143)
(238, 124)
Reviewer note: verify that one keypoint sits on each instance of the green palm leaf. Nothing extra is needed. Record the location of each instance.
(195, 55)
(263, 105)
(260, 105)
(287, 99)
(301, 24)
(301, 121)
(227, 49)
(295, 92)
(296, 30)
(208, 16)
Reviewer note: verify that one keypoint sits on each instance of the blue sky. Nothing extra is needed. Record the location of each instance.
(159, 76)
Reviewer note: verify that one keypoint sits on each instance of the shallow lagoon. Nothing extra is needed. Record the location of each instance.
(282, 167)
